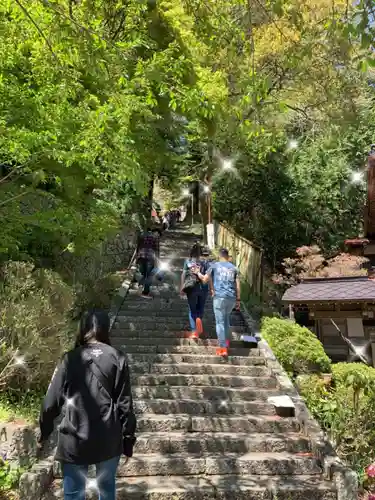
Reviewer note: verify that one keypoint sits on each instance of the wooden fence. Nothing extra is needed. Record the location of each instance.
(245, 255)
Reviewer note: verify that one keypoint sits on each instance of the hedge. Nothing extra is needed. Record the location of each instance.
(297, 348)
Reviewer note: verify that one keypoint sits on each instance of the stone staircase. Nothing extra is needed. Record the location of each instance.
(205, 427)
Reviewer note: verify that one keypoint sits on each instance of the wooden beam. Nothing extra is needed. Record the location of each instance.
(336, 314)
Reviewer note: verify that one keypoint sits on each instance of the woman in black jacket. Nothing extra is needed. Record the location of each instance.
(91, 387)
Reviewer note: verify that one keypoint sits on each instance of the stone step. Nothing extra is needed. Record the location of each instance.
(196, 369)
(162, 315)
(208, 393)
(177, 326)
(155, 292)
(145, 334)
(247, 464)
(166, 315)
(193, 407)
(167, 323)
(196, 359)
(197, 380)
(252, 463)
(227, 487)
(133, 304)
(125, 320)
(178, 349)
(157, 309)
(204, 426)
(130, 340)
(219, 442)
(186, 423)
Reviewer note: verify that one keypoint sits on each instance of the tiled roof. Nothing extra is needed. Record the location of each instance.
(332, 290)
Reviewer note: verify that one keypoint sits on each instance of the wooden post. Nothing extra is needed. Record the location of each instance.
(370, 208)
(291, 312)
(209, 206)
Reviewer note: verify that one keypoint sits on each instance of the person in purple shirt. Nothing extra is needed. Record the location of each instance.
(148, 249)
(225, 284)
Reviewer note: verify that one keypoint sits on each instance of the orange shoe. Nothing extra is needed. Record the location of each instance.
(194, 336)
(222, 351)
(199, 326)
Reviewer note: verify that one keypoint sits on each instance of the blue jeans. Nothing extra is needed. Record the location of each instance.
(197, 301)
(146, 267)
(222, 310)
(75, 477)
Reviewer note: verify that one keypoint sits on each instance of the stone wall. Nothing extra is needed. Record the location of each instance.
(110, 256)
(18, 442)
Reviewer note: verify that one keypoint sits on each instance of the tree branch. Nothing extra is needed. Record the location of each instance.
(298, 110)
(48, 4)
(19, 195)
(26, 13)
(3, 179)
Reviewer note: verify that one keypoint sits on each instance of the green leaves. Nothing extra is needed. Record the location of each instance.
(87, 105)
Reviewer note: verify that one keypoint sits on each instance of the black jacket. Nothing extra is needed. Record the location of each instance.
(96, 426)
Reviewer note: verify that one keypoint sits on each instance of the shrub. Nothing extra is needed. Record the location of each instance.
(355, 375)
(345, 410)
(34, 325)
(297, 348)
(9, 477)
(314, 391)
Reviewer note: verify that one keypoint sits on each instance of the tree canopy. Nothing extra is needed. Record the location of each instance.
(98, 99)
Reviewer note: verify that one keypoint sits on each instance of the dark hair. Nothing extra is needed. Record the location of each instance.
(223, 252)
(94, 325)
(195, 251)
(205, 251)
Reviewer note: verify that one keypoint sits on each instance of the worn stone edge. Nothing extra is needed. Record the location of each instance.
(122, 292)
(34, 483)
(344, 478)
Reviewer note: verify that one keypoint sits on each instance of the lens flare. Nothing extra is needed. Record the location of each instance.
(69, 402)
(19, 360)
(227, 164)
(356, 177)
(92, 484)
(164, 266)
(293, 144)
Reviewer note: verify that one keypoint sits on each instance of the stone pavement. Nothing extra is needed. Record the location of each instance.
(205, 427)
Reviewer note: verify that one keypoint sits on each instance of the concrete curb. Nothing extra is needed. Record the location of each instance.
(344, 478)
(34, 483)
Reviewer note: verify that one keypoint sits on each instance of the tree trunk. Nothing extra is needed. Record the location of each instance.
(150, 198)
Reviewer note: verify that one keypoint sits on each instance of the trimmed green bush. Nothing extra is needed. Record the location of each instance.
(297, 348)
